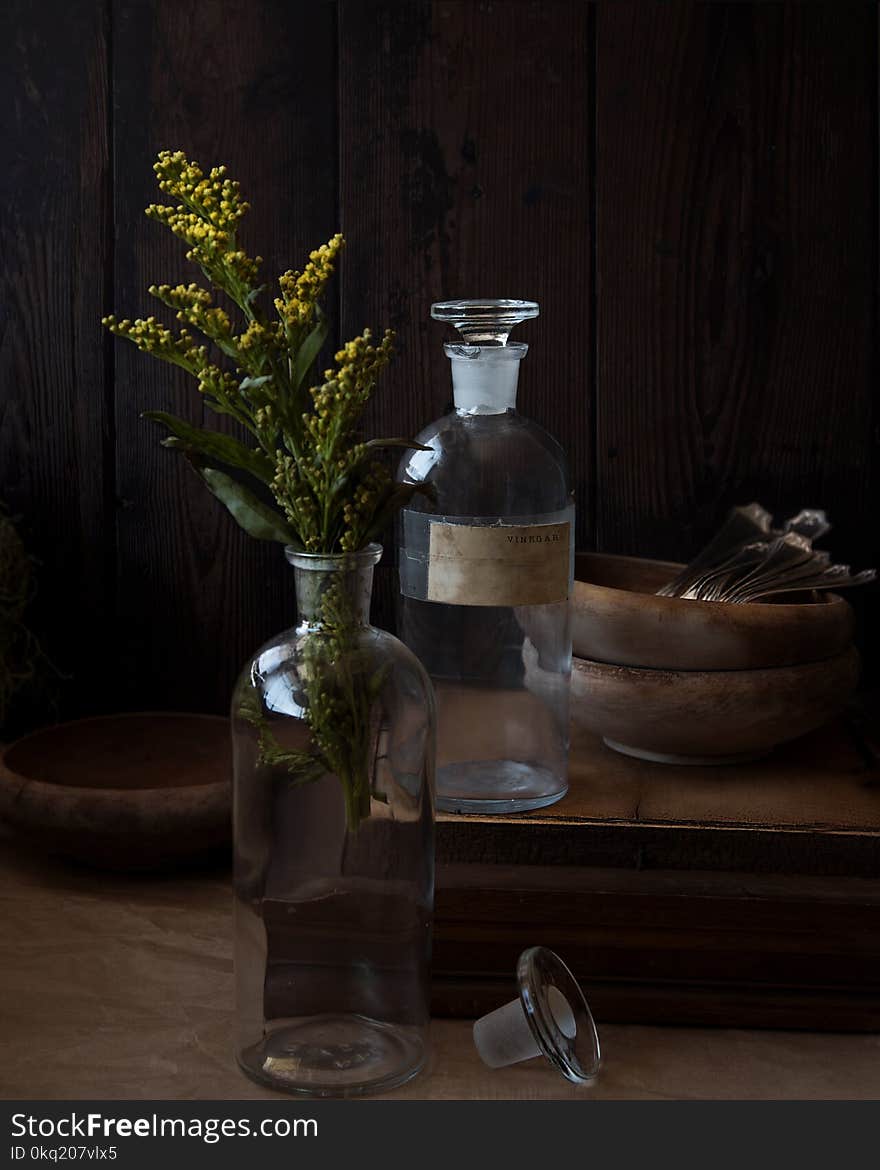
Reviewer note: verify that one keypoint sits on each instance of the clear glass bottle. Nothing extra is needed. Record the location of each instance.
(486, 567)
(333, 737)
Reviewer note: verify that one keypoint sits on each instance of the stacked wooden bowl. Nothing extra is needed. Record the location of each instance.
(700, 682)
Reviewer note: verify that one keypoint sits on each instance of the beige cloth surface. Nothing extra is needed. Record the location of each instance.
(121, 988)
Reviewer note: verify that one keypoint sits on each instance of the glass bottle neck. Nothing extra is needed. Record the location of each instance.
(333, 589)
(484, 377)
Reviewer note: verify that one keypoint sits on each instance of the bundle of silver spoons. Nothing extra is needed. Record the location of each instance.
(749, 559)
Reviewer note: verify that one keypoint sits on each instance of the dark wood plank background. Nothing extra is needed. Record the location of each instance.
(690, 191)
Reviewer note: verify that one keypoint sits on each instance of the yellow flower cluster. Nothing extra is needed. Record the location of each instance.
(215, 197)
(194, 307)
(345, 391)
(301, 291)
(328, 477)
(260, 352)
(358, 513)
(296, 497)
(259, 336)
(220, 388)
(209, 247)
(307, 440)
(153, 337)
(206, 217)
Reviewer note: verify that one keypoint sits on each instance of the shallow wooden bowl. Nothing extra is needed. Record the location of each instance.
(141, 791)
(708, 717)
(616, 618)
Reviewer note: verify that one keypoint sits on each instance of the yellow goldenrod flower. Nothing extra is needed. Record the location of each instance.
(308, 450)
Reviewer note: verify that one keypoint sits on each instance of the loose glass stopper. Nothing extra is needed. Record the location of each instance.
(550, 1018)
(484, 322)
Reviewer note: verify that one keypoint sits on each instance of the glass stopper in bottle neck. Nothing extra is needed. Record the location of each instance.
(485, 368)
(484, 322)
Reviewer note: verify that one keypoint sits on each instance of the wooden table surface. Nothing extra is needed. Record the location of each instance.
(810, 806)
(119, 988)
(744, 895)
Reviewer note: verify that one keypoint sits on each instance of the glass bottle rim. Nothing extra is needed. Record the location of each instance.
(361, 558)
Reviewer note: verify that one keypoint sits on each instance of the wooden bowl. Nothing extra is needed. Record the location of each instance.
(616, 618)
(141, 791)
(708, 717)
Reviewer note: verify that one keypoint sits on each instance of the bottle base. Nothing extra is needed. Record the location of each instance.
(496, 787)
(335, 1056)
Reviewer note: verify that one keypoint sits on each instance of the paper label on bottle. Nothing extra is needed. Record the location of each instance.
(509, 564)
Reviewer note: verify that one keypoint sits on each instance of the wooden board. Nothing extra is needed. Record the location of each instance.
(740, 896)
(466, 171)
(726, 134)
(736, 309)
(812, 807)
(690, 191)
(253, 88)
(667, 947)
(56, 436)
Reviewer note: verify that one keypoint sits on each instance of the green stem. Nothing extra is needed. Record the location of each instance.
(354, 809)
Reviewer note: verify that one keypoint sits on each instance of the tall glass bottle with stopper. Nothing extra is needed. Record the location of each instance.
(486, 565)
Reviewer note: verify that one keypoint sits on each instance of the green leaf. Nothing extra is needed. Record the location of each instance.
(399, 496)
(220, 408)
(250, 383)
(308, 352)
(256, 518)
(303, 767)
(213, 446)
